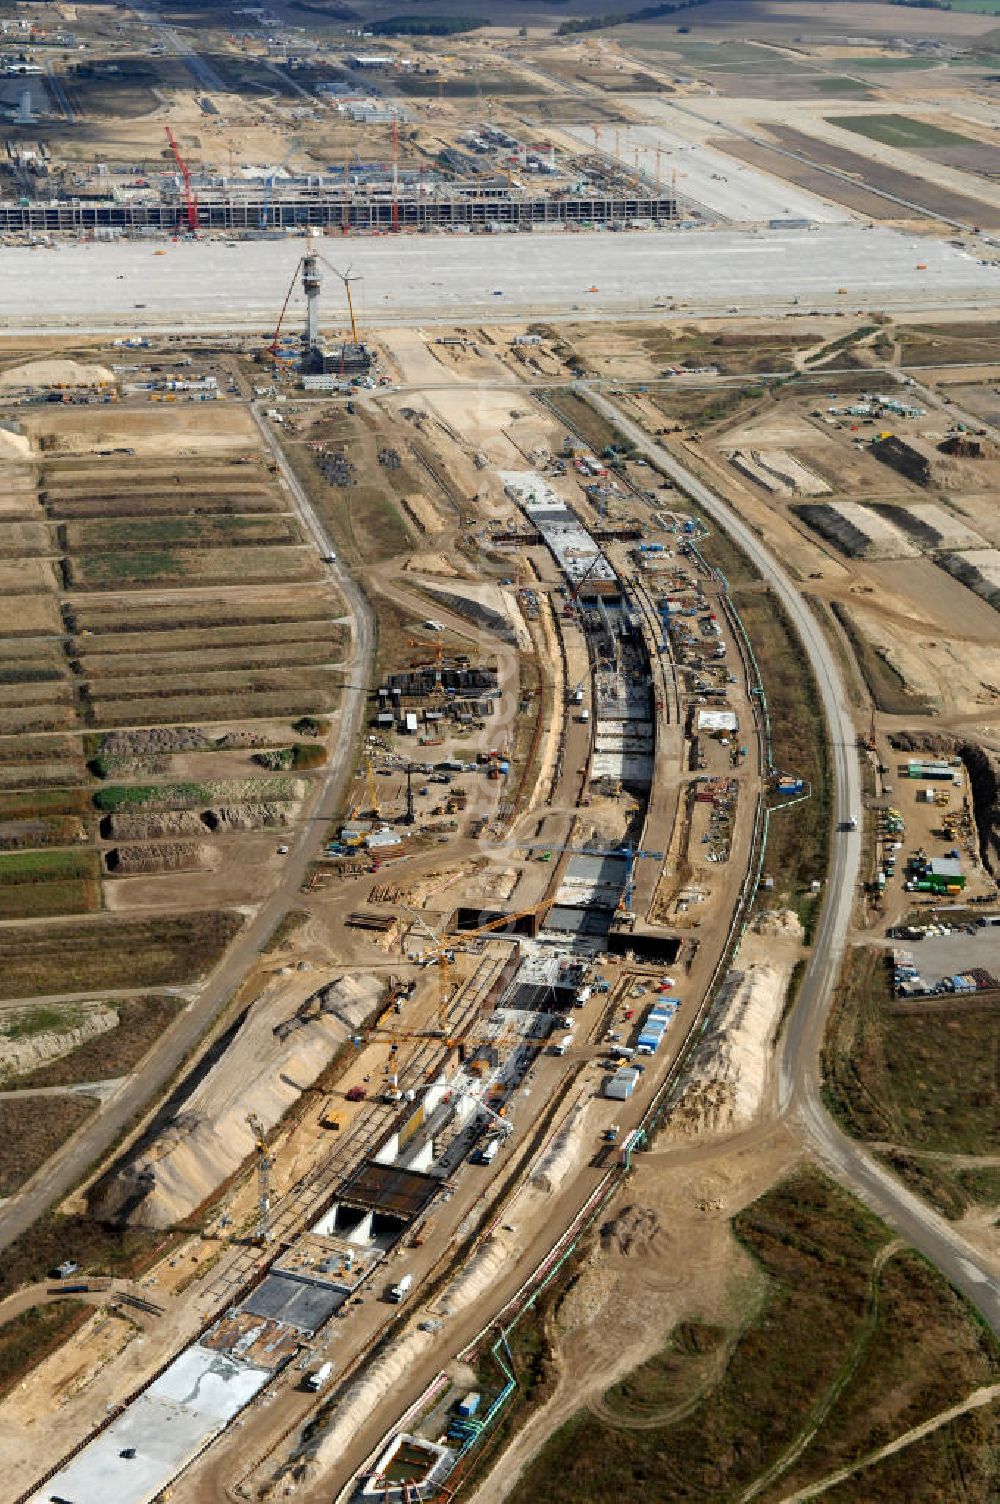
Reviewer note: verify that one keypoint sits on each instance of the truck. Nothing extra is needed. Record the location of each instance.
(562, 1045)
(584, 716)
(318, 1380)
(486, 1153)
(400, 1290)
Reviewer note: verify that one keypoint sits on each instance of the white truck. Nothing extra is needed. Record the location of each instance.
(318, 1380)
(562, 1045)
(401, 1289)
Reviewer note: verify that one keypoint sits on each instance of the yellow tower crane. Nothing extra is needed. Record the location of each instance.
(347, 279)
(265, 1163)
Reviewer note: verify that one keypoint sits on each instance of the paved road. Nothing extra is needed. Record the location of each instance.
(799, 1079)
(65, 1171)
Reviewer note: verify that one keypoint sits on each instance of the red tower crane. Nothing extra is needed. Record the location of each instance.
(190, 197)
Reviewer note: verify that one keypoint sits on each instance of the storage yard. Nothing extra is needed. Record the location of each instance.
(474, 706)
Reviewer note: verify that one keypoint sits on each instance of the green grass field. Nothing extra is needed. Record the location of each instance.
(32, 1128)
(899, 130)
(37, 884)
(145, 533)
(20, 867)
(901, 64)
(30, 1337)
(74, 957)
(843, 1353)
(141, 1021)
(924, 1083)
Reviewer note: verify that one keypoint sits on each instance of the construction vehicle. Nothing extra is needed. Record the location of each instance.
(329, 1118)
(318, 1380)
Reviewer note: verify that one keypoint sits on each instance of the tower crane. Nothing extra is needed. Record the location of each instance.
(265, 1162)
(418, 642)
(190, 197)
(443, 953)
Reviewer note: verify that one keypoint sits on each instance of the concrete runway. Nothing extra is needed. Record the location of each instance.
(458, 278)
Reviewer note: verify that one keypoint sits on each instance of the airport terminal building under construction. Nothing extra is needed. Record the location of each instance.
(329, 210)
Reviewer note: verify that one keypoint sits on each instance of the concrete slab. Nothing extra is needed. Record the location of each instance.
(166, 1426)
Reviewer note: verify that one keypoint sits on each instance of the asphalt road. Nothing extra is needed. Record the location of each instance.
(69, 1168)
(799, 1066)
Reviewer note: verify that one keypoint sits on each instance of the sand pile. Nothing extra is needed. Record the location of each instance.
(56, 373)
(561, 1155)
(14, 446)
(28, 1051)
(349, 1001)
(857, 530)
(264, 1070)
(729, 1072)
(783, 924)
(978, 569)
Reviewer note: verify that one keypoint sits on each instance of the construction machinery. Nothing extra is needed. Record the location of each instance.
(577, 585)
(190, 197)
(265, 1163)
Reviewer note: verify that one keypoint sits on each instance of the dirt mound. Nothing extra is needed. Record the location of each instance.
(56, 373)
(14, 446)
(129, 826)
(26, 1051)
(350, 1001)
(783, 924)
(963, 447)
(250, 816)
(154, 739)
(633, 1233)
(178, 856)
(729, 1071)
(262, 1071)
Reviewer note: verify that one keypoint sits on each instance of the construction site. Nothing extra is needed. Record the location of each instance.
(461, 748)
